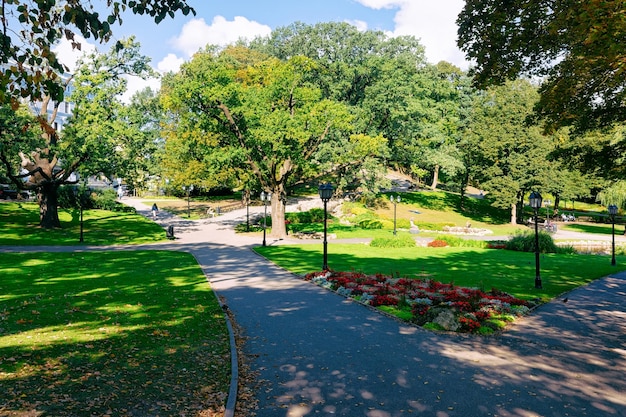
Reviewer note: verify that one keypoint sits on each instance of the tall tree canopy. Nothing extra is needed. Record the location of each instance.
(30, 29)
(399, 95)
(89, 141)
(266, 117)
(579, 47)
(512, 156)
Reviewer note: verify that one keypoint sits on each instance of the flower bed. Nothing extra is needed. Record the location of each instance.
(431, 304)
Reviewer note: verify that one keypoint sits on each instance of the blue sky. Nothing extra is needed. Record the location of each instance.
(221, 22)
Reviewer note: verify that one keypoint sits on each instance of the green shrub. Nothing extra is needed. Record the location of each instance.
(436, 227)
(403, 223)
(496, 324)
(459, 242)
(567, 250)
(525, 242)
(484, 330)
(243, 228)
(370, 224)
(400, 241)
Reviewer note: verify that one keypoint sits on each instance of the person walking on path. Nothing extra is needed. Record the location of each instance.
(155, 211)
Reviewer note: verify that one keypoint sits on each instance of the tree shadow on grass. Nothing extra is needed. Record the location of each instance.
(117, 333)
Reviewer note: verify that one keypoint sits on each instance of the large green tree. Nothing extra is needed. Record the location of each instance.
(266, 117)
(512, 157)
(29, 30)
(89, 143)
(577, 47)
(388, 81)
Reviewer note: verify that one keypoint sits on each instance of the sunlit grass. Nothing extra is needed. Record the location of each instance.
(20, 227)
(513, 272)
(102, 329)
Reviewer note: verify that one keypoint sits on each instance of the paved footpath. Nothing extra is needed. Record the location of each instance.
(320, 354)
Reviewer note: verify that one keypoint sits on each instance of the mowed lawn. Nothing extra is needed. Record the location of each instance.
(509, 271)
(110, 333)
(20, 227)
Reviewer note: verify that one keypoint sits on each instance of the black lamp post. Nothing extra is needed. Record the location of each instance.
(395, 204)
(326, 192)
(246, 200)
(612, 213)
(188, 190)
(265, 198)
(535, 203)
(548, 203)
(80, 193)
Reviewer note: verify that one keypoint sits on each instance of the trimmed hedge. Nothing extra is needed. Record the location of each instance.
(400, 241)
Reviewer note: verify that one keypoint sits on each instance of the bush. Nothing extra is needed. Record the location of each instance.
(437, 243)
(105, 199)
(401, 241)
(525, 242)
(436, 227)
(315, 215)
(459, 242)
(243, 228)
(370, 224)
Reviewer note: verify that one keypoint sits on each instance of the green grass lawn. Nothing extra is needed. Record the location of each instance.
(109, 333)
(20, 227)
(513, 272)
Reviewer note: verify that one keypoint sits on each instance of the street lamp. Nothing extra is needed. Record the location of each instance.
(265, 198)
(395, 204)
(612, 213)
(326, 192)
(189, 190)
(548, 203)
(246, 201)
(80, 191)
(535, 203)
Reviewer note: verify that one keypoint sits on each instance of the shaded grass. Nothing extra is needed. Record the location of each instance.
(513, 272)
(109, 333)
(20, 227)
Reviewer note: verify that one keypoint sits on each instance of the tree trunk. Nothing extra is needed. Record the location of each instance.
(513, 213)
(464, 183)
(48, 206)
(279, 231)
(433, 186)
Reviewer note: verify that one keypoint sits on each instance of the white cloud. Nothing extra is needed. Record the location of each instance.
(171, 63)
(432, 22)
(360, 25)
(136, 84)
(70, 56)
(196, 34)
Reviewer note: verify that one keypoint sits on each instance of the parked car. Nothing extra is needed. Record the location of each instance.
(6, 193)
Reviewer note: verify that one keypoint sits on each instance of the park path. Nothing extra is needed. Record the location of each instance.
(318, 353)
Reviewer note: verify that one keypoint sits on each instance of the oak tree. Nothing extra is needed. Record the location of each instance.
(576, 47)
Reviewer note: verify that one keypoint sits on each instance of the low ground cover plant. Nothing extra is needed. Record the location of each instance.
(426, 302)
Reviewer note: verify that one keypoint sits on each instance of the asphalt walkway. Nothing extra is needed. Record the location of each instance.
(318, 353)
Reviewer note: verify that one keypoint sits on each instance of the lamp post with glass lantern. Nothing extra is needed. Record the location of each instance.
(395, 205)
(535, 203)
(612, 213)
(189, 190)
(326, 192)
(265, 198)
